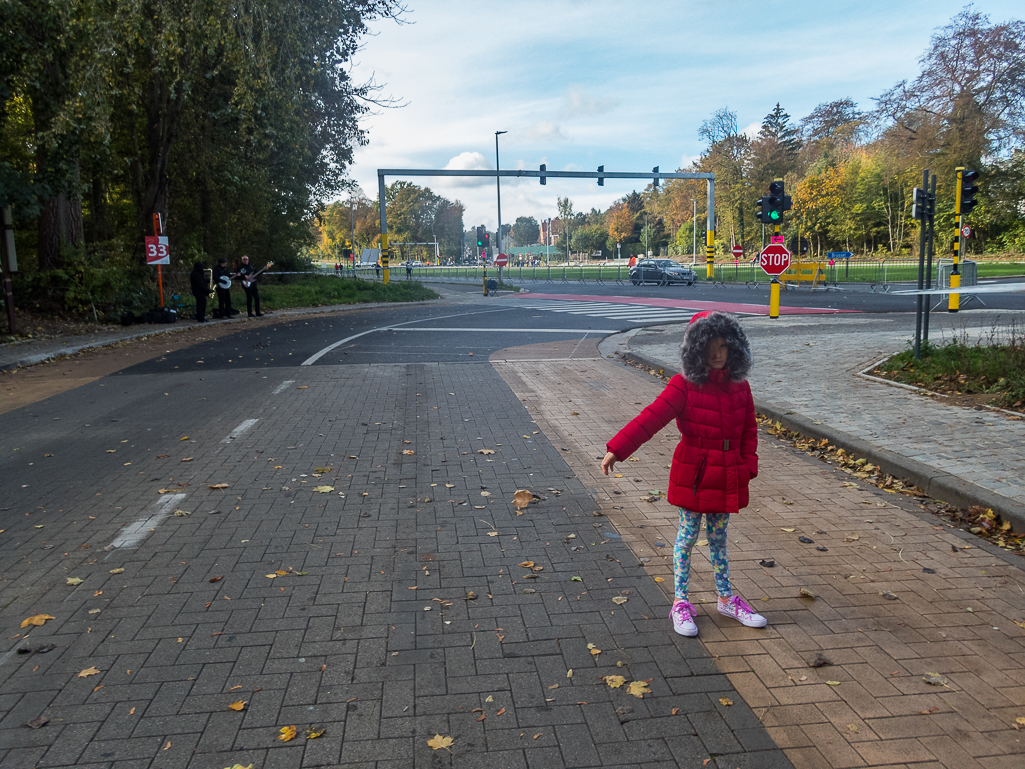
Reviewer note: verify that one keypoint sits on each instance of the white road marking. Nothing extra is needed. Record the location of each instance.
(248, 424)
(132, 534)
(283, 386)
(517, 330)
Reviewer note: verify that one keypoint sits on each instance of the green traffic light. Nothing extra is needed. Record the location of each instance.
(775, 215)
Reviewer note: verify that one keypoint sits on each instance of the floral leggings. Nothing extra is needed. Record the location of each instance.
(715, 529)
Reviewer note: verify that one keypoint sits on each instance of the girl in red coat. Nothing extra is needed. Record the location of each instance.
(716, 457)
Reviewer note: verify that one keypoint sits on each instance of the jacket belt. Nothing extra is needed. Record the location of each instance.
(705, 443)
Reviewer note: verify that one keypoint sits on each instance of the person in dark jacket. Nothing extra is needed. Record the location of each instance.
(224, 308)
(247, 274)
(200, 289)
(715, 459)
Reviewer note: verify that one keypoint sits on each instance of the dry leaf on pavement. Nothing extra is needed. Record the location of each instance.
(438, 742)
(218, 485)
(614, 682)
(239, 766)
(313, 733)
(484, 451)
(75, 580)
(117, 571)
(638, 689)
(660, 579)
(935, 679)
(526, 564)
(37, 620)
(287, 733)
(90, 671)
(724, 700)
(522, 498)
(323, 489)
(237, 706)
(408, 452)
(37, 723)
(619, 600)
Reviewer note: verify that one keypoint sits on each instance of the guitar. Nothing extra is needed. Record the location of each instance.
(248, 280)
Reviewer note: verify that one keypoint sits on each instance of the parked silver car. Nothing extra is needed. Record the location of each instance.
(662, 272)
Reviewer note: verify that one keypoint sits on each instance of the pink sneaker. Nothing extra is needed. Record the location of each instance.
(737, 608)
(682, 615)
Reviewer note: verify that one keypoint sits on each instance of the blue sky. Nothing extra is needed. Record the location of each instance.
(626, 85)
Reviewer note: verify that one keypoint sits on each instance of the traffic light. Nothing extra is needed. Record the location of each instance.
(777, 202)
(762, 214)
(480, 237)
(800, 247)
(918, 208)
(968, 190)
(487, 241)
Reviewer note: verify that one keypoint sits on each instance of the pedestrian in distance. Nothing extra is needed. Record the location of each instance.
(248, 276)
(200, 289)
(222, 284)
(715, 459)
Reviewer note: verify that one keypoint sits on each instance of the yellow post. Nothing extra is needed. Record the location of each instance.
(710, 254)
(774, 298)
(384, 257)
(484, 281)
(954, 300)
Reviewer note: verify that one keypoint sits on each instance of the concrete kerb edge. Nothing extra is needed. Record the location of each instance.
(936, 484)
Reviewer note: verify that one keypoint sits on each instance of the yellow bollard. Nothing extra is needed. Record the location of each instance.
(954, 303)
(774, 299)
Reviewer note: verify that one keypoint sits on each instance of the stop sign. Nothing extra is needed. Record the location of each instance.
(501, 260)
(774, 259)
(738, 251)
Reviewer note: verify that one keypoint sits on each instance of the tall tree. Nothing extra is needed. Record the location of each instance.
(526, 231)
(773, 153)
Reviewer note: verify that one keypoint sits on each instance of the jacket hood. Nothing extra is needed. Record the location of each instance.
(703, 330)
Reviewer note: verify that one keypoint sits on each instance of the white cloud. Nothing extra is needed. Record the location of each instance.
(752, 130)
(579, 104)
(686, 160)
(542, 132)
(465, 161)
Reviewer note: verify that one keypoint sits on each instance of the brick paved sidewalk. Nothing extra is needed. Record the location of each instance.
(899, 594)
(390, 607)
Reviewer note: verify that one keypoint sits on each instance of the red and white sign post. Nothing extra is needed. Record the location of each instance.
(158, 252)
(774, 260)
(738, 252)
(502, 260)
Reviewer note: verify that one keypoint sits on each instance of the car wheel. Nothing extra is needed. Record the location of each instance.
(635, 281)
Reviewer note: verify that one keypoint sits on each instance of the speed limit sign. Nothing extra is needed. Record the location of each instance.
(966, 231)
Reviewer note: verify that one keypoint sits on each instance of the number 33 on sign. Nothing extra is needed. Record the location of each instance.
(157, 250)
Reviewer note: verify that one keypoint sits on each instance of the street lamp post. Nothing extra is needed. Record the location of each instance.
(694, 223)
(498, 190)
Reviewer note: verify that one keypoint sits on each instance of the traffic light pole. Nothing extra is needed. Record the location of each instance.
(954, 300)
(923, 218)
(710, 232)
(384, 229)
(774, 285)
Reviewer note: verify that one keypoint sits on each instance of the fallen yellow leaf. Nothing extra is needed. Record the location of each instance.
(218, 485)
(522, 498)
(117, 571)
(75, 580)
(38, 620)
(408, 452)
(725, 701)
(313, 733)
(638, 689)
(619, 600)
(614, 682)
(287, 733)
(438, 742)
(323, 489)
(185, 438)
(240, 705)
(789, 530)
(526, 564)
(660, 579)
(90, 671)
(485, 451)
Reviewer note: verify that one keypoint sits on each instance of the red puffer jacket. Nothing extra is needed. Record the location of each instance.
(717, 454)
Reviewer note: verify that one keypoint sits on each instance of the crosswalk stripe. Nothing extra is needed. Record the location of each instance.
(636, 313)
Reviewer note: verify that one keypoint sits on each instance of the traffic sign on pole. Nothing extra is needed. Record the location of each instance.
(738, 251)
(966, 231)
(501, 260)
(774, 259)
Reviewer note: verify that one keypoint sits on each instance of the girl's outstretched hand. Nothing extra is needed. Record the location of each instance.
(609, 462)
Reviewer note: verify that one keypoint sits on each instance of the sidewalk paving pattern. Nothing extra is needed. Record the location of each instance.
(957, 605)
(379, 642)
(375, 639)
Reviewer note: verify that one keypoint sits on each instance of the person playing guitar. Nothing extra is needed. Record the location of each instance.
(247, 274)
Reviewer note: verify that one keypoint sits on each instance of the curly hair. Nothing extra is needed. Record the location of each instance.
(705, 327)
